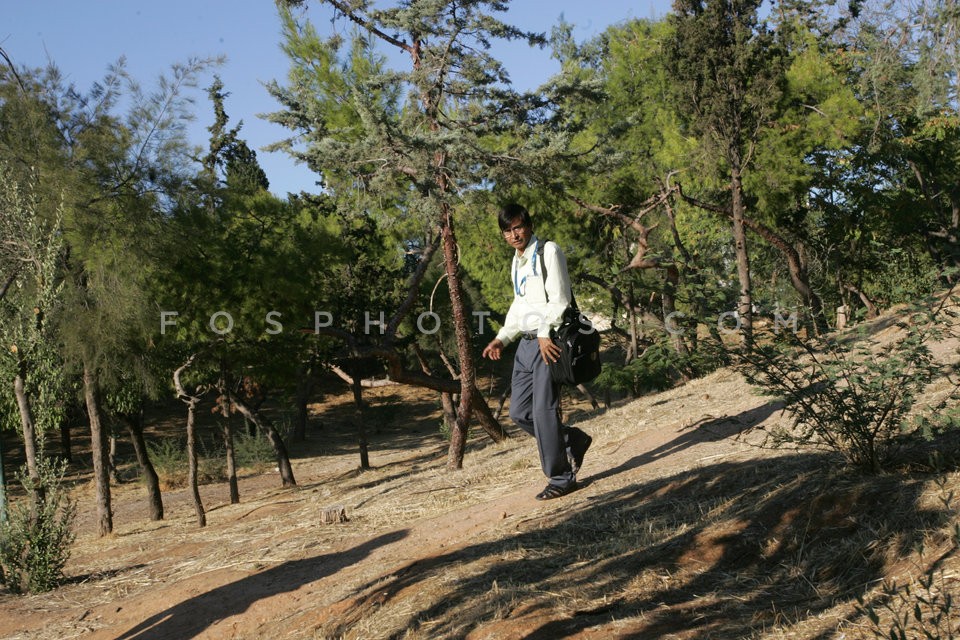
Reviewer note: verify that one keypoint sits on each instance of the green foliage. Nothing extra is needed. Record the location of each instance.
(659, 367)
(850, 394)
(727, 77)
(635, 378)
(29, 312)
(900, 275)
(255, 451)
(922, 609)
(257, 265)
(169, 458)
(925, 606)
(35, 539)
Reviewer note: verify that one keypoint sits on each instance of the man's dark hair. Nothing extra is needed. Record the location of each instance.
(510, 212)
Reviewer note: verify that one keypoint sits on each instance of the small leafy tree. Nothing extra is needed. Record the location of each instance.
(35, 539)
(850, 394)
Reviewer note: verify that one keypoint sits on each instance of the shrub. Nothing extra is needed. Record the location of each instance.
(169, 458)
(849, 396)
(924, 606)
(658, 368)
(254, 451)
(36, 537)
(922, 609)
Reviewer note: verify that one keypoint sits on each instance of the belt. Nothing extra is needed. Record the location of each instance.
(530, 335)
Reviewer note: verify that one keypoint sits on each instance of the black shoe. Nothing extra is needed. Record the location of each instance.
(553, 491)
(578, 442)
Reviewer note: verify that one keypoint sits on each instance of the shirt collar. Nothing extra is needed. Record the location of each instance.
(530, 249)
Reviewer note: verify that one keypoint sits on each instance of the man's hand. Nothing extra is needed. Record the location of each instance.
(549, 351)
(493, 350)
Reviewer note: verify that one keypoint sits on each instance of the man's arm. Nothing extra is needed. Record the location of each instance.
(511, 325)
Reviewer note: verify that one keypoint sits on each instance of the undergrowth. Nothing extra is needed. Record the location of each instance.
(856, 396)
(35, 538)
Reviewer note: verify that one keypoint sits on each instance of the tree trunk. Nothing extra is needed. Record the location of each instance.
(669, 306)
(98, 446)
(266, 426)
(26, 423)
(633, 346)
(745, 298)
(398, 373)
(191, 401)
(449, 410)
(798, 272)
(151, 481)
(112, 458)
(11, 278)
(358, 421)
(395, 363)
(872, 311)
(799, 277)
(226, 428)
(3, 486)
(39, 494)
(192, 464)
(458, 437)
(305, 385)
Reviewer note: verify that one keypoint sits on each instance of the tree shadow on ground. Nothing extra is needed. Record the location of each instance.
(705, 430)
(713, 552)
(191, 617)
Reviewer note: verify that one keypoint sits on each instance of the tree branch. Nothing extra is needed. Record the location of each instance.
(13, 69)
(8, 283)
(181, 392)
(413, 289)
(369, 384)
(345, 9)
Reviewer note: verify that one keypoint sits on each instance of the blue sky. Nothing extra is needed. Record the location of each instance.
(83, 37)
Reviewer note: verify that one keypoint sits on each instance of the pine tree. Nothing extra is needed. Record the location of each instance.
(421, 154)
(727, 72)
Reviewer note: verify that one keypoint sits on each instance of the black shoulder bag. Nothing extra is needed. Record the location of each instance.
(577, 338)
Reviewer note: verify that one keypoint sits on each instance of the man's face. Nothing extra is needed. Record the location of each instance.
(517, 234)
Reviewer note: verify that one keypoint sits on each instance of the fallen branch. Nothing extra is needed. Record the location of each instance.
(368, 384)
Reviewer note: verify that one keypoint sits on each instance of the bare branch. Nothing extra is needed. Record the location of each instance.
(181, 392)
(13, 69)
(413, 288)
(369, 384)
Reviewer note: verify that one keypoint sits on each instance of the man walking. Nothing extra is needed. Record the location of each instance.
(537, 307)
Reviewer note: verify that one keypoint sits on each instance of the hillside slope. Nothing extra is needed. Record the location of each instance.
(684, 528)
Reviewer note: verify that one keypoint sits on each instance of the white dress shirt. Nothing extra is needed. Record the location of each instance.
(530, 311)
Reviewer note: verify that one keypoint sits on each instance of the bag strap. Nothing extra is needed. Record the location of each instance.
(543, 270)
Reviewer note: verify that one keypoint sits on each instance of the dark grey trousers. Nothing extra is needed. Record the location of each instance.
(533, 406)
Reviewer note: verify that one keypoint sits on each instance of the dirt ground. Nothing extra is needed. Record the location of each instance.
(428, 553)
